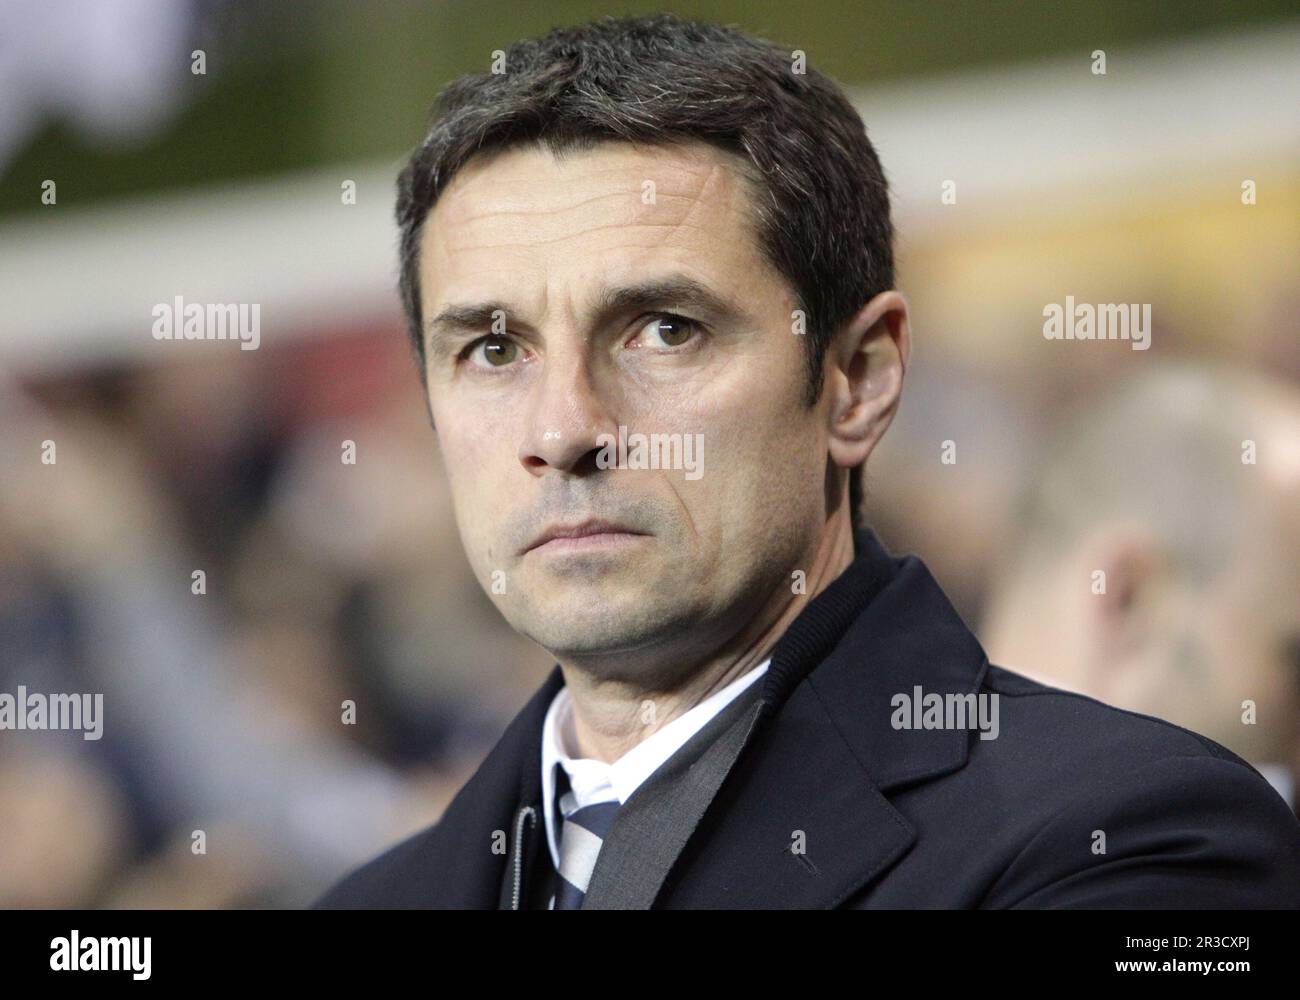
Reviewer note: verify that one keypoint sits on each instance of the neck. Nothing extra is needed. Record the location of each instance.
(611, 717)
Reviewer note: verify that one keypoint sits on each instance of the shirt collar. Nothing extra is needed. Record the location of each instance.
(594, 780)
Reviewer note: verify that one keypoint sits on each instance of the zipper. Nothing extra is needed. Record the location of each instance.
(523, 814)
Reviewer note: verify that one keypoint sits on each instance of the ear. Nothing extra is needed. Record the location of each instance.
(865, 377)
(1125, 602)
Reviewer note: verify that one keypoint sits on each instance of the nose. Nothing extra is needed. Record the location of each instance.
(567, 416)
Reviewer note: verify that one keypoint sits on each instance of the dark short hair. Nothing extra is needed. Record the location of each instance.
(822, 202)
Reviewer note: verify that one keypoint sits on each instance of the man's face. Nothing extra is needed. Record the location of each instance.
(706, 351)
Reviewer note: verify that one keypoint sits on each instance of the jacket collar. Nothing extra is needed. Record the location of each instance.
(819, 770)
(880, 629)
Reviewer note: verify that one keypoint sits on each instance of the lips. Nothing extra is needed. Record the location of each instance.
(582, 529)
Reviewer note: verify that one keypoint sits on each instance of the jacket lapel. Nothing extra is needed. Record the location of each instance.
(804, 820)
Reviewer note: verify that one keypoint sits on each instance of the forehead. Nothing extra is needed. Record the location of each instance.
(526, 213)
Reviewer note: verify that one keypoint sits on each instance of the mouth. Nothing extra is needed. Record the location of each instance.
(584, 536)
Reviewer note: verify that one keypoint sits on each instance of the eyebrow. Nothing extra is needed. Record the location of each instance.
(673, 291)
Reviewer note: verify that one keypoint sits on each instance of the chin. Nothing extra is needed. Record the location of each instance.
(591, 624)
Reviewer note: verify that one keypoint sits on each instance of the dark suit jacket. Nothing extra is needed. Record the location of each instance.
(889, 817)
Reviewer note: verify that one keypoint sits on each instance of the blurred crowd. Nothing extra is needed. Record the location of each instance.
(230, 772)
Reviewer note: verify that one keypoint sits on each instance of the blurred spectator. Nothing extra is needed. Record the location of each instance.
(942, 480)
(1156, 560)
(222, 710)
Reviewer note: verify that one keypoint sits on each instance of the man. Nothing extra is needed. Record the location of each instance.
(656, 230)
(1158, 561)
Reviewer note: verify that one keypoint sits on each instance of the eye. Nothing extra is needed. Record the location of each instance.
(495, 350)
(671, 330)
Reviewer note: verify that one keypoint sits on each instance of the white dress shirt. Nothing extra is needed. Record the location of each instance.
(595, 781)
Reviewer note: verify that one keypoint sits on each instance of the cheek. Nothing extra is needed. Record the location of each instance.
(763, 463)
(473, 455)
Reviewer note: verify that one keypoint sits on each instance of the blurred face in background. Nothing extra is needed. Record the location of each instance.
(1197, 652)
(1242, 630)
(1211, 647)
(705, 350)
(1215, 651)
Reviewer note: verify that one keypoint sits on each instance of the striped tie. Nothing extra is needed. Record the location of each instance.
(581, 834)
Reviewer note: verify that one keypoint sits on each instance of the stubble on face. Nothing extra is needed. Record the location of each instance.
(544, 238)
